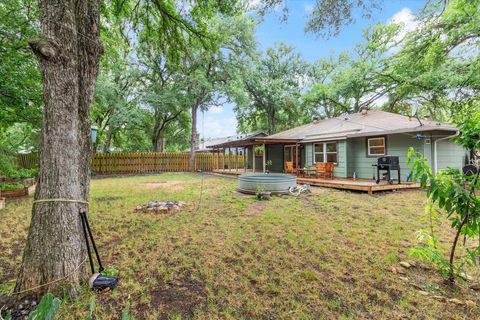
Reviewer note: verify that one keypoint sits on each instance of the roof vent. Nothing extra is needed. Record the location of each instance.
(315, 119)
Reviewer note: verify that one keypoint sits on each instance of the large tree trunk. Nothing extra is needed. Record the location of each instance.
(68, 52)
(108, 140)
(271, 125)
(157, 135)
(193, 139)
(158, 143)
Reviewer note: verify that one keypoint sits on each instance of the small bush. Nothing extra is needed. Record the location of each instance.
(8, 169)
(13, 186)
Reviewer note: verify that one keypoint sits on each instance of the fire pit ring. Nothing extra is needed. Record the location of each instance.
(276, 183)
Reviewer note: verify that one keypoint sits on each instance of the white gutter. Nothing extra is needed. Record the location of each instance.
(435, 161)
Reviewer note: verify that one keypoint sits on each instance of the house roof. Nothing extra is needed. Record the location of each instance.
(233, 141)
(371, 123)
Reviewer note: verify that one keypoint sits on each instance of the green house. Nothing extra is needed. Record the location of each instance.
(353, 142)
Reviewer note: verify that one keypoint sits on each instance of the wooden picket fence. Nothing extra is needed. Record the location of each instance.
(27, 161)
(149, 162)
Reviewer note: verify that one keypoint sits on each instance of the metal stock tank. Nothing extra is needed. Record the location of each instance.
(276, 183)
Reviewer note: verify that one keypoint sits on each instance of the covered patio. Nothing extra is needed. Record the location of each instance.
(256, 154)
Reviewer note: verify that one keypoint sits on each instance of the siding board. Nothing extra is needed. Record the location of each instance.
(397, 145)
(450, 155)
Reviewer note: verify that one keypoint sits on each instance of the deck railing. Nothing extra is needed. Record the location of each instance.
(149, 162)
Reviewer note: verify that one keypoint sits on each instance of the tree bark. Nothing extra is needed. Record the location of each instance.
(68, 53)
(108, 140)
(271, 120)
(193, 139)
(158, 143)
(158, 132)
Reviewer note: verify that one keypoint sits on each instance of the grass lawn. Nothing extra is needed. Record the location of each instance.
(328, 255)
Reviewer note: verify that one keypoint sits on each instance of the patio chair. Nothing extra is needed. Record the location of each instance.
(324, 169)
(289, 167)
(330, 167)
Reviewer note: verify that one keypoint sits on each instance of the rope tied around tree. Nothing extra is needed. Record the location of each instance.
(54, 281)
(61, 200)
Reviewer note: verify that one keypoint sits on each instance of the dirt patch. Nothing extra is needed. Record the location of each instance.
(107, 198)
(255, 208)
(9, 269)
(180, 297)
(429, 282)
(171, 186)
(314, 190)
(18, 307)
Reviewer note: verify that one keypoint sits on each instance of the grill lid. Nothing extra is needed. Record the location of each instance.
(391, 160)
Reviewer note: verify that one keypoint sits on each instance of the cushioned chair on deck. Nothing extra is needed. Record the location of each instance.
(289, 167)
(324, 169)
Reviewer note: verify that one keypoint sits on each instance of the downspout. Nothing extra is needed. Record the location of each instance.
(435, 162)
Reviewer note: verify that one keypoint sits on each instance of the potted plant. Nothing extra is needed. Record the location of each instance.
(259, 150)
(268, 164)
(262, 194)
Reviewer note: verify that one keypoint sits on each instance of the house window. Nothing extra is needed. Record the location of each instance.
(325, 152)
(376, 146)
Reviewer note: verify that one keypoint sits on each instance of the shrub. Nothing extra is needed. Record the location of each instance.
(455, 195)
(8, 169)
(11, 186)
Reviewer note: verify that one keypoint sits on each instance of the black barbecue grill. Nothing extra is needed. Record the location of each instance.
(389, 164)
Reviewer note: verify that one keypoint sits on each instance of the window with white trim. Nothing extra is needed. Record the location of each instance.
(325, 152)
(376, 146)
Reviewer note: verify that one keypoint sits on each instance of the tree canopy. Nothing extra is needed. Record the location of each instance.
(164, 60)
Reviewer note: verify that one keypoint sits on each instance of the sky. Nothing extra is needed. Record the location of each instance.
(220, 121)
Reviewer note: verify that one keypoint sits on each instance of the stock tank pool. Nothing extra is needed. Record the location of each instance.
(276, 183)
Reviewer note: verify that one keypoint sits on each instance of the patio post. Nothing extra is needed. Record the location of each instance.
(223, 160)
(296, 156)
(253, 157)
(236, 159)
(245, 159)
(264, 156)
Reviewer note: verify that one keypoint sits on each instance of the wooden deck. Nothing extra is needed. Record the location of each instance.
(358, 184)
(365, 185)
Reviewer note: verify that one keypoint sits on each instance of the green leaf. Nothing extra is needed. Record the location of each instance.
(8, 316)
(91, 308)
(441, 202)
(423, 180)
(432, 187)
(110, 272)
(126, 313)
(46, 309)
